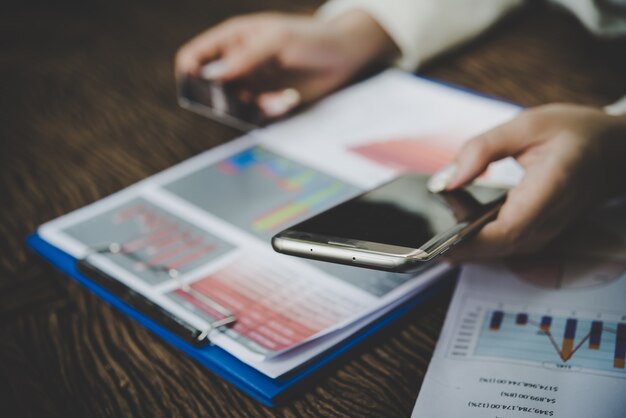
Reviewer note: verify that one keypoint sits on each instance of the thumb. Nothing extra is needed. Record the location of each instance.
(506, 140)
(304, 88)
(278, 103)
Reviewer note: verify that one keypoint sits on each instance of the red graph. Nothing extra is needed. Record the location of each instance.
(423, 154)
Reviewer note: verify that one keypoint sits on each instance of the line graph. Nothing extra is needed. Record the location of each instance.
(593, 342)
(569, 346)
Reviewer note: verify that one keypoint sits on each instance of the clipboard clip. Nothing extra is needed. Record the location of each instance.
(146, 306)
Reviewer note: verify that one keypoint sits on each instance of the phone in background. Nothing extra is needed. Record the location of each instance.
(396, 227)
(223, 102)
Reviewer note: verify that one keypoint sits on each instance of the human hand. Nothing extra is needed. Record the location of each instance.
(287, 60)
(573, 156)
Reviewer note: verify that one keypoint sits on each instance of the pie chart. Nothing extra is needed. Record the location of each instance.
(586, 256)
(557, 272)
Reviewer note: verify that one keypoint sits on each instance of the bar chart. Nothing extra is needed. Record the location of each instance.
(151, 240)
(593, 342)
(276, 305)
(269, 191)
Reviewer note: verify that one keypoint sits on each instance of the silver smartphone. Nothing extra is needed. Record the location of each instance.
(396, 227)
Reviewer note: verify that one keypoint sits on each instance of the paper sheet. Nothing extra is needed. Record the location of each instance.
(538, 336)
(211, 217)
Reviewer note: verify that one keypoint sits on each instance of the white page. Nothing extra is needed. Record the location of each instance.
(538, 336)
(225, 204)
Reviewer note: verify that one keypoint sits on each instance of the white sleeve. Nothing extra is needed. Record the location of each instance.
(424, 28)
(605, 18)
(618, 108)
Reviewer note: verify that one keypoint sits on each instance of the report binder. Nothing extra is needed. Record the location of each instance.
(271, 392)
(178, 326)
(271, 177)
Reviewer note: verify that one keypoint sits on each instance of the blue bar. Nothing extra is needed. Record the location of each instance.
(620, 346)
(595, 335)
(496, 320)
(546, 323)
(570, 329)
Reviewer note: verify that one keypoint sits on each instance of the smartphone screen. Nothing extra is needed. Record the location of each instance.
(402, 213)
(223, 102)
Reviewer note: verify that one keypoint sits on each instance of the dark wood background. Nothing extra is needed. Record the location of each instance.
(88, 107)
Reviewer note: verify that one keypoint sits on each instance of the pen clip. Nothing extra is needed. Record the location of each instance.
(201, 335)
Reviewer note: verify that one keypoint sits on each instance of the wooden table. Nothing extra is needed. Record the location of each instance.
(88, 108)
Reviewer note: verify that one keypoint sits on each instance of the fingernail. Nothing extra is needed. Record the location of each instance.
(277, 105)
(213, 70)
(440, 180)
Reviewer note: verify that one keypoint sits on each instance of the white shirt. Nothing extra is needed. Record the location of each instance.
(424, 28)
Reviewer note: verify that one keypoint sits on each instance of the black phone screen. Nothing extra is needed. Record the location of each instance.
(402, 213)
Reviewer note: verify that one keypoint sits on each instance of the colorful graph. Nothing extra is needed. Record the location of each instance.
(260, 191)
(423, 154)
(151, 239)
(593, 343)
(591, 335)
(276, 307)
(289, 212)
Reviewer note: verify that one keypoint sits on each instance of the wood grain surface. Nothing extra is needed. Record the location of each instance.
(88, 107)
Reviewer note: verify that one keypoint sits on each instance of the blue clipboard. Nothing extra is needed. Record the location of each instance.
(271, 392)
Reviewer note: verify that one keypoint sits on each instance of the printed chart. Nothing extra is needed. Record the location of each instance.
(276, 307)
(152, 240)
(269, 192)
(423, 155)
(262, 193)
(593, 342)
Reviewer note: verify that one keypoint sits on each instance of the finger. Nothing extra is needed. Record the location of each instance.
(506, 140)
(249, 56)
(487, 244)
(208, 46)
(305, 87)
(533, 214)
(190, 58)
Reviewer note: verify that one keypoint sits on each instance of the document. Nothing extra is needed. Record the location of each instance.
(210, 219)
(541, 336)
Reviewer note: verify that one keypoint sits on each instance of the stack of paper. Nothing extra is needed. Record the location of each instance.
(538, 336)
(211, 218)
